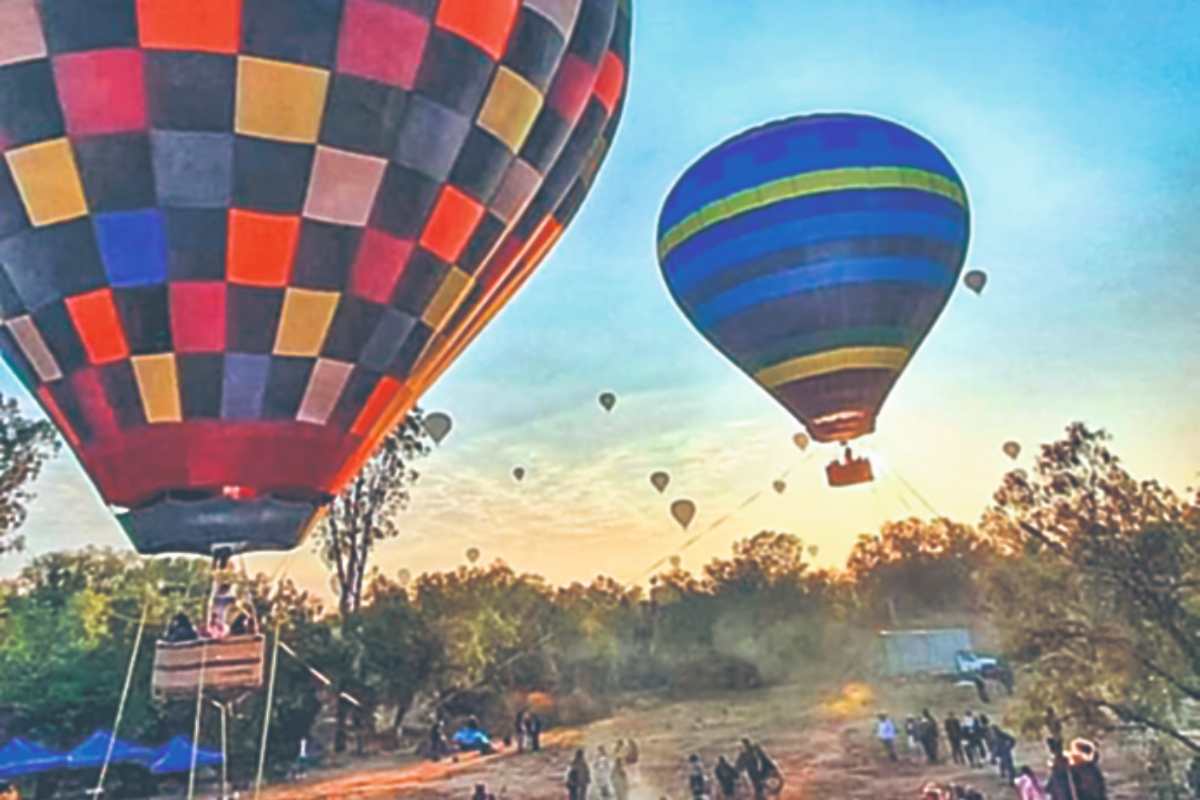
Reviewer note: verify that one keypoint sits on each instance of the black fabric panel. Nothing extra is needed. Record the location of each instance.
(324, 255)
(302, 32)
(75, 25)
(485, 237)
(363, 116)
(351, 329)
(54, 323)
(535, 48)
(116, 171)
(454, 73)
(196, 240)
(121, 391)
(271, 176)
(190, 91)
(29, 109)
(481, 165)
(422, 276)
(251, 318)
(404, 201)
(286, 382)
(201, 377)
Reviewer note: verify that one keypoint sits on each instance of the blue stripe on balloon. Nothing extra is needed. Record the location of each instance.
(797, 147)
(806, 279)
(734, 248)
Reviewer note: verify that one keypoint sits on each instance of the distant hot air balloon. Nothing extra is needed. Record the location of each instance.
(608, 401)
(519, 473)
(816, 253)
(684, 511)
(404, 577)
(975, 280)
(802, 441)
(1012, 450)
(237, 245)
(780, 487)
(813, 550)
(660, 480)
(676, 561)
(438, 425)
(473, 555)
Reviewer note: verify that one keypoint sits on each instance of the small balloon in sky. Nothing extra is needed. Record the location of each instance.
(813, 550)
(608, 401)
(438, 426)
(802, 441)
(404, 577)
(676, 561)
(1012, 450)
(780, 487)
(660, 480)
(473, 555)
(684, 511)
(975, 280)
(519, 473)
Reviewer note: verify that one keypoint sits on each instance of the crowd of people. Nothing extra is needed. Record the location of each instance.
(974, 740)
(610, 776)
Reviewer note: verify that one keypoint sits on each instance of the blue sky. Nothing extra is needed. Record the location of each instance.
(1074, 125)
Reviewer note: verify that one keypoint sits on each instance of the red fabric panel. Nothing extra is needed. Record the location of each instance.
(101, 91)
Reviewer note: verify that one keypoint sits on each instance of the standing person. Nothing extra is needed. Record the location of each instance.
(1193, 777)
(696, 781)
(885, 731)
(1061, 784)
(913, 732)
(1028, 786)
(519, 730)
(726, 778)
(1004, 745)
(437, 741)
(749, 763)
(989, 737)
(533, 729)
(1054, 727)
(620, 780)
(973, 735)
(480, 792)
(578, 778)
(1085, 771)
(929, 736)
(954, 737)
(632, 766)
(602, 774)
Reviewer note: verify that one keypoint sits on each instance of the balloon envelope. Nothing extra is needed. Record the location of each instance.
(660, 480)
(1012, 450)
(439, 426)
(473, 555)
(608, 401)
(816, 253)
(684, 511)
(975, 280)
(802, 441)
(519, 473)
(780, 487)
(235, 247)
(675, 562)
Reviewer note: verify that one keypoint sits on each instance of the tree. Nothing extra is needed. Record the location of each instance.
(918, 566)
(366, 511)
(1102, 599)
(25, 446)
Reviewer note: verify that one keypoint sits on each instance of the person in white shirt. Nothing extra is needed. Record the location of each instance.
(886, 731)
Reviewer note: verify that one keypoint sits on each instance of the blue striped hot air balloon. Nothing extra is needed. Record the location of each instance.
(816, 253)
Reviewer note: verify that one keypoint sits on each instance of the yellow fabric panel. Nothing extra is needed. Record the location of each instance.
(158, 383)
(280, 101)
(304, 322)
(510, 109)
(34, 347)
(48, 181)
(811, 183)
(449, 296)
(832, 361)
(324, 389)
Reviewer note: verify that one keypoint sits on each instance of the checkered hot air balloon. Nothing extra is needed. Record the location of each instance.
(239, 238)
(816, 253)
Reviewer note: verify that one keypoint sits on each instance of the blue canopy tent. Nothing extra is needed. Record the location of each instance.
(93, 752)
(176, 756)
(22, 757)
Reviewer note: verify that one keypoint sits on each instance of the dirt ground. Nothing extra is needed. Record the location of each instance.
(824, 746)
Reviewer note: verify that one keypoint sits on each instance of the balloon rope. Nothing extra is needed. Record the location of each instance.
(895, 473)
(112, 740)
(262, 752)
(719, 522)
(196, 725)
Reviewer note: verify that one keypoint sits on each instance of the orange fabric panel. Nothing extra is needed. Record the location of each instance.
(211, 26)
(261, 247)
(99, 327)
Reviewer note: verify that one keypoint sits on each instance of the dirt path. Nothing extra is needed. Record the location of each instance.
(824, 746)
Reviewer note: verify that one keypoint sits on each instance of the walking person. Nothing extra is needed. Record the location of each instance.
(578, 778)
(954, 738)
(973, 738)
(519, 731)
(1085, 771)
(1005, 743)
(885, 731)
(533, 729)
(749, 763)
(912, 731)
(620, 780)
(1061, 784)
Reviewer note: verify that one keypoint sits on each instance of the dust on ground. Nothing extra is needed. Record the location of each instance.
(823, 743)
